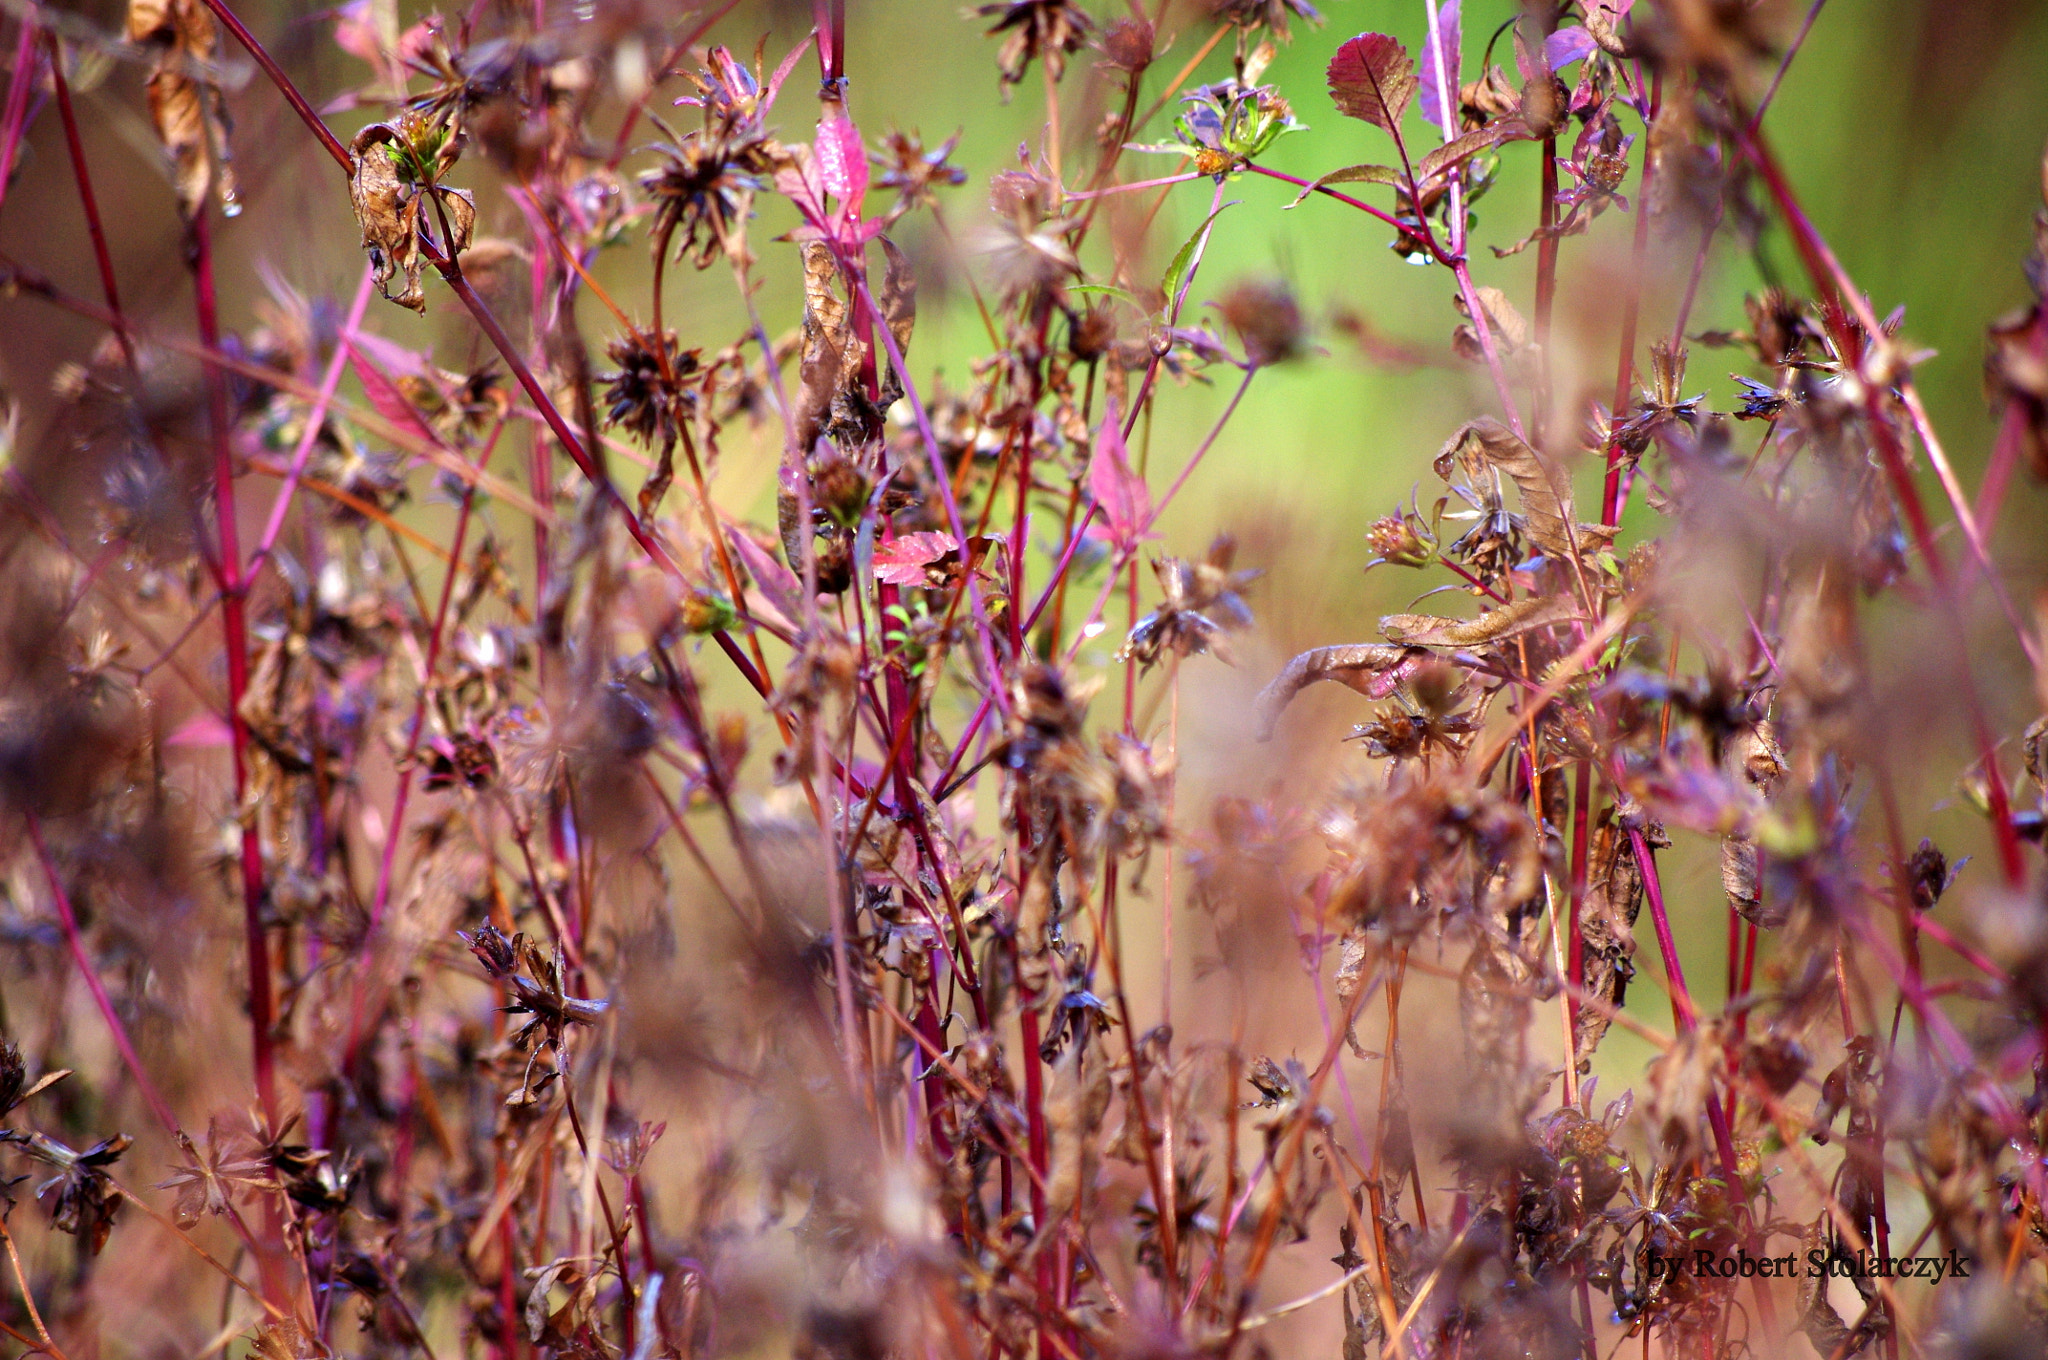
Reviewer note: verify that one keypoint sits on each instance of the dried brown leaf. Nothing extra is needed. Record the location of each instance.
(1607, 915)
(831, 353)
(1373, 669)
(388, 213)
(1546, 491)
(898, 296)
(190, 115)
(1495, 625)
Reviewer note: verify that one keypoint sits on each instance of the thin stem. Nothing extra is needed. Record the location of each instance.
(1631, 315)
(284, 86)
(316, 422)
(1326, 192)
(80, 173)
(28, 1298)
(235, 631)
(67, 919)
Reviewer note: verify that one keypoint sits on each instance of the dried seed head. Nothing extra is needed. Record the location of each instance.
(654, 388)
(1039, 30)
(1265, 315)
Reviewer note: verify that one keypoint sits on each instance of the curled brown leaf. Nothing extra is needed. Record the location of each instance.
(190, 115)
(1495, 625)
(1546, 491)
(1373, 669)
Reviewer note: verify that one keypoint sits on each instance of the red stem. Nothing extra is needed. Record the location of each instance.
(1327, 192)
(1582, 801)
(284, 86)
(451, 271)
(1829, 279)
(235, 628)
(79, 173)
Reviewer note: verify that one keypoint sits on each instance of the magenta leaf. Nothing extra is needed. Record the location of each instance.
(1125, 500)
(1372, 78)
(202, 730)
(842, 162)
(384, 396)
(902, 561)
(1438, 108)
(777, 583)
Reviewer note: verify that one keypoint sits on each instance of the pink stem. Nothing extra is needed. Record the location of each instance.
(316, 420)
(69, 920)
(18, 89)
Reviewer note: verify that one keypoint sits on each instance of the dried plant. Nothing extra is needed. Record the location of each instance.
(601, 927)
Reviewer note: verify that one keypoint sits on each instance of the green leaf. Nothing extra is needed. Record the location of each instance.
(1106, 290)
(1183, 260)
(1351, 174)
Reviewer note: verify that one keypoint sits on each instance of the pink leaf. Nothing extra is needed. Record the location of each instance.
(355, 32)
(842, 162)
(388, 355)
(1125, 500)
(777, 583)
(206, 729)
(1433, 104)
(782, 71)
(901, 562)
(384, 396)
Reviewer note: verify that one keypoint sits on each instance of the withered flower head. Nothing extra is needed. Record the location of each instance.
(1092, 333)
(1043, 30)
(496, 953)
(703, 192)
(627, 1152)
(535, 981)
(727, 91)
(912, 173)
(1426, 719)
(86, 1201)
(1271, 15)
(653, 390)
(1401, 539)
(1266, 317)
(1028, 247)
(209, 1181)
(1201, 607)
(1129, 45)
(1780, 327)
